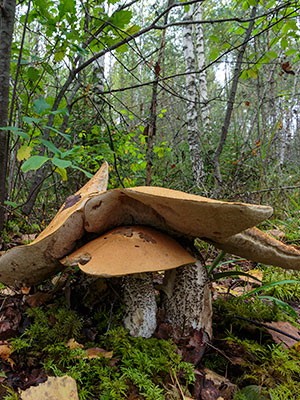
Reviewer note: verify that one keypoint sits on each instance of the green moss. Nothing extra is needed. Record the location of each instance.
(144, 366)
(289, 292)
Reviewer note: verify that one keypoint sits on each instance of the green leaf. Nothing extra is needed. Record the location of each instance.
(15, 131)
(270, 285)
(24, 152)
(66, 6)
(58, 162)
(51, 146)
(121, 18)
(86, 173)
(31, 120)
(62, 172)
(133, 29)
(40, 105)
(122, 49)
(33, 74)
(284, 43)
(220, 275)
(270, 55)
(59, 55)
(214, 53)
(289, 310)
(252, 392)
(64, 135)
(33, 163)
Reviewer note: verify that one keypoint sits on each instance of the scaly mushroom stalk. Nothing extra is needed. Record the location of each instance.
(140, 304)
(187, 300)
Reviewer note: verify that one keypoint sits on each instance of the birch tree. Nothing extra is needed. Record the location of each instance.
(192, 117)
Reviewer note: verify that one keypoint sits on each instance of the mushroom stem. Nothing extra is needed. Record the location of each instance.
(187, 302)
(140, 304)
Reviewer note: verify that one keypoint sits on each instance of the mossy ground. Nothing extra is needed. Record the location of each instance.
(59, 323)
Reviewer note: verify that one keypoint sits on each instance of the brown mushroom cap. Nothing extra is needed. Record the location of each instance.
(93, 209)
(129, 250)
(34, 262)
(172, 211)
(69, 218)
(258, 246)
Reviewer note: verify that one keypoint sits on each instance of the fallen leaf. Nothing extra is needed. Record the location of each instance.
(25, 289)
(55, 388)
(285, 327)
(277, 233)
(217, 387)
(5, 351)
(72, 344)
(39, 298)
(256, 273)
(95, 352)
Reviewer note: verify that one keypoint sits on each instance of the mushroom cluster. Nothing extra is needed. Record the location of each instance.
(140, 230)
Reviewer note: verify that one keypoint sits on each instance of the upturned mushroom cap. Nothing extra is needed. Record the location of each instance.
(93, 209)
(32, 263)
(258, 246)
(172, 211)
(129, 250)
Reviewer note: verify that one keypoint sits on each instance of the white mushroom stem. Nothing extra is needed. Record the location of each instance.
(187, 302)
(140, 304)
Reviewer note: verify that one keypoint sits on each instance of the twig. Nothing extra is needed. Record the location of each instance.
(260, 324)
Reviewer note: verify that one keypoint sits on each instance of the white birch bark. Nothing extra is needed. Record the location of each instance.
(191, 107)
(202, 77)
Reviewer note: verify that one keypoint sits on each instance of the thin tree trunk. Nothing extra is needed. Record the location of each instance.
(191, 107)
(7, 18)
(202, 79)
(150, 129)
(230, 102)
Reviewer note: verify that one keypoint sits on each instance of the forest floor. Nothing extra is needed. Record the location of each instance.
(72, 326)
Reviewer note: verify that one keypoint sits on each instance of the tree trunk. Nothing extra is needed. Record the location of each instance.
(7, 18)
(202, 79)
(230, 102)
(150, 129)
(191, 107)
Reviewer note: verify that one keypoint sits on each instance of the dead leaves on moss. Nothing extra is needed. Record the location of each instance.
(55, 388)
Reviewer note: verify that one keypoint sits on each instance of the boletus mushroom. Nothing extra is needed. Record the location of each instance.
(93, 209)
(132, 252)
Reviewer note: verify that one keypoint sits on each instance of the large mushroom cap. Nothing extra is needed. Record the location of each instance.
(129, 250)
(172, 211)
(93, 209)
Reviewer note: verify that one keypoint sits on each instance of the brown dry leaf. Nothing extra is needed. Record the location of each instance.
(5, 350)
(276, 233)
(256, 273)
(95, 352)
(286, 327)
(55, 388)
(25, 289)
(222, 289)
(218, 386)
(39, 298)
(72, 344)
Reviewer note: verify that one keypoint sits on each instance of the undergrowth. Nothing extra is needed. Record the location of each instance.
(261, 369)
(126, 364)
